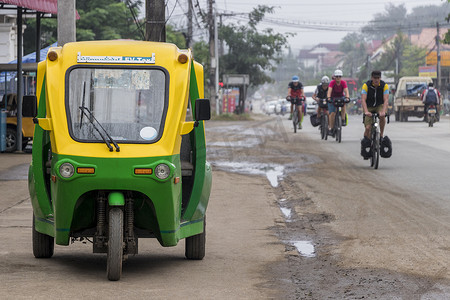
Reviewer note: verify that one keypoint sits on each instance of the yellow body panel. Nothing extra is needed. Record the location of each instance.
(166, 56)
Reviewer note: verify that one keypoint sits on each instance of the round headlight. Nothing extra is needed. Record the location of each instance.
(66, 170)
(162, 171)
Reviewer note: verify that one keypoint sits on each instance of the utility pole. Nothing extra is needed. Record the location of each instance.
(438, 44)
(212, 55)
(189, 33)
(66, 22)
(155, 25)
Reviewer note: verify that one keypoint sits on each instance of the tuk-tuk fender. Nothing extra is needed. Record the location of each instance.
(116, 199)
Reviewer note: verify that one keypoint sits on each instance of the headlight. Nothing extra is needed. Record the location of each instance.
(66, 170)
(162, 171)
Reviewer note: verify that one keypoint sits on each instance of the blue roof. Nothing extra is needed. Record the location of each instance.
(31, 58)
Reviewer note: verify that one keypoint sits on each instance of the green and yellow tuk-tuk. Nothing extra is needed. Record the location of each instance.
(119, 149)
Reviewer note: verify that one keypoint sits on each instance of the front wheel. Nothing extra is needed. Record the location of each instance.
(295, 120)
(115, 244)
(375, 150)
(195, 245)
(43, 245)
(338, 127)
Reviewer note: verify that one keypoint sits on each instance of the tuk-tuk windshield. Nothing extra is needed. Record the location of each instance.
(128, 103)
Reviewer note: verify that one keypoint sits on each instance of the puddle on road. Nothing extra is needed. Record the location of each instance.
(273, 172)
(305, 248)
(286, 212)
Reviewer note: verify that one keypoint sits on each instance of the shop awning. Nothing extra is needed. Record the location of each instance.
(47, 6)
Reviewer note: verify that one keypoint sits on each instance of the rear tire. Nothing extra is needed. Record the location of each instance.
(115, 244)
(195, 245)
(43, 245)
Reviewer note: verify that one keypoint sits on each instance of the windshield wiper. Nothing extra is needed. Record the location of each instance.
(90, 117)
(82, 104)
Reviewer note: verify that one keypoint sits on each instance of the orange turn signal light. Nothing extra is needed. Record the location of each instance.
(85, 170)
(183, 58)
(143, 171)
(52, 56)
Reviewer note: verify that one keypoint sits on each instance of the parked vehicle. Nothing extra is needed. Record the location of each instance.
(117, 156)
(11, 122)
(407, 102)
(269, 107)
(311, 104)
(282, 107)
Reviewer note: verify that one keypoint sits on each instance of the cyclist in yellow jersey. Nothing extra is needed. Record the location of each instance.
(374, 98)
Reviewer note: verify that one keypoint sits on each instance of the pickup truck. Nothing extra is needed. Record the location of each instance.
(407, 102)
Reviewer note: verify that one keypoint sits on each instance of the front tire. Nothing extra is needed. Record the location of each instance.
(115, 244)
(43, 245)
(195, 245)
(338, 127)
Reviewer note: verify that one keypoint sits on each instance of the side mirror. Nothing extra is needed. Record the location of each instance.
(202, 110)
(29, 106)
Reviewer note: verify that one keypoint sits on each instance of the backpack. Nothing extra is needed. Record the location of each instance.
(431, 97)
(315, 121)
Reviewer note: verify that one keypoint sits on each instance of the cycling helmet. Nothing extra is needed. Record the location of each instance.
(295, 79)
(325, 79)
(338, 73)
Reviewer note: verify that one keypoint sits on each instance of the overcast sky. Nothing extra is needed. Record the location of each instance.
(334, 15)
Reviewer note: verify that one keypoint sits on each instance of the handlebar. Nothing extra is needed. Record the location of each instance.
(339, 99)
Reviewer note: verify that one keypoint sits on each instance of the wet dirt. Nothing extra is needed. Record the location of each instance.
(356, 247)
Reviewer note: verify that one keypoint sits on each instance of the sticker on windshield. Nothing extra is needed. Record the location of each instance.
(148, 133)
(116, 59)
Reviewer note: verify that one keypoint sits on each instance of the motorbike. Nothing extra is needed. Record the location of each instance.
(119, 149)
(431, 113)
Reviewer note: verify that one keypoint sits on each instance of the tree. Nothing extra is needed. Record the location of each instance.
(401, 54)
(355, 53)
(99, 20)
(387, 23)
(251, 51)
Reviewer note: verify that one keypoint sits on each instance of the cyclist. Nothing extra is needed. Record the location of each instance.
(430, 96)
(295, 90)
(374, 98)
(321, 93)
(337, 89)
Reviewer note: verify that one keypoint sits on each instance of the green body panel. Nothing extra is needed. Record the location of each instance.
(203, 177)
(36, 182)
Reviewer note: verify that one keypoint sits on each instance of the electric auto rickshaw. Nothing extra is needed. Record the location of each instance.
(119, 149)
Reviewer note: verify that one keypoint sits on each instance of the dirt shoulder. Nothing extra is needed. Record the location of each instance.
(369, 242)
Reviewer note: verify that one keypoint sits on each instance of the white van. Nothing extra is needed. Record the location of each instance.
(311, 104)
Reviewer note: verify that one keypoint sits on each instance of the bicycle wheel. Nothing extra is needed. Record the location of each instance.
(338, 126)
(325, 129)
(376, 150)
(295, 119)
(322, 123)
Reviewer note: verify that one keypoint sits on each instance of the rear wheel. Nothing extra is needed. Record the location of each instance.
(195, 245)
(43, 245)
(115, 244)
